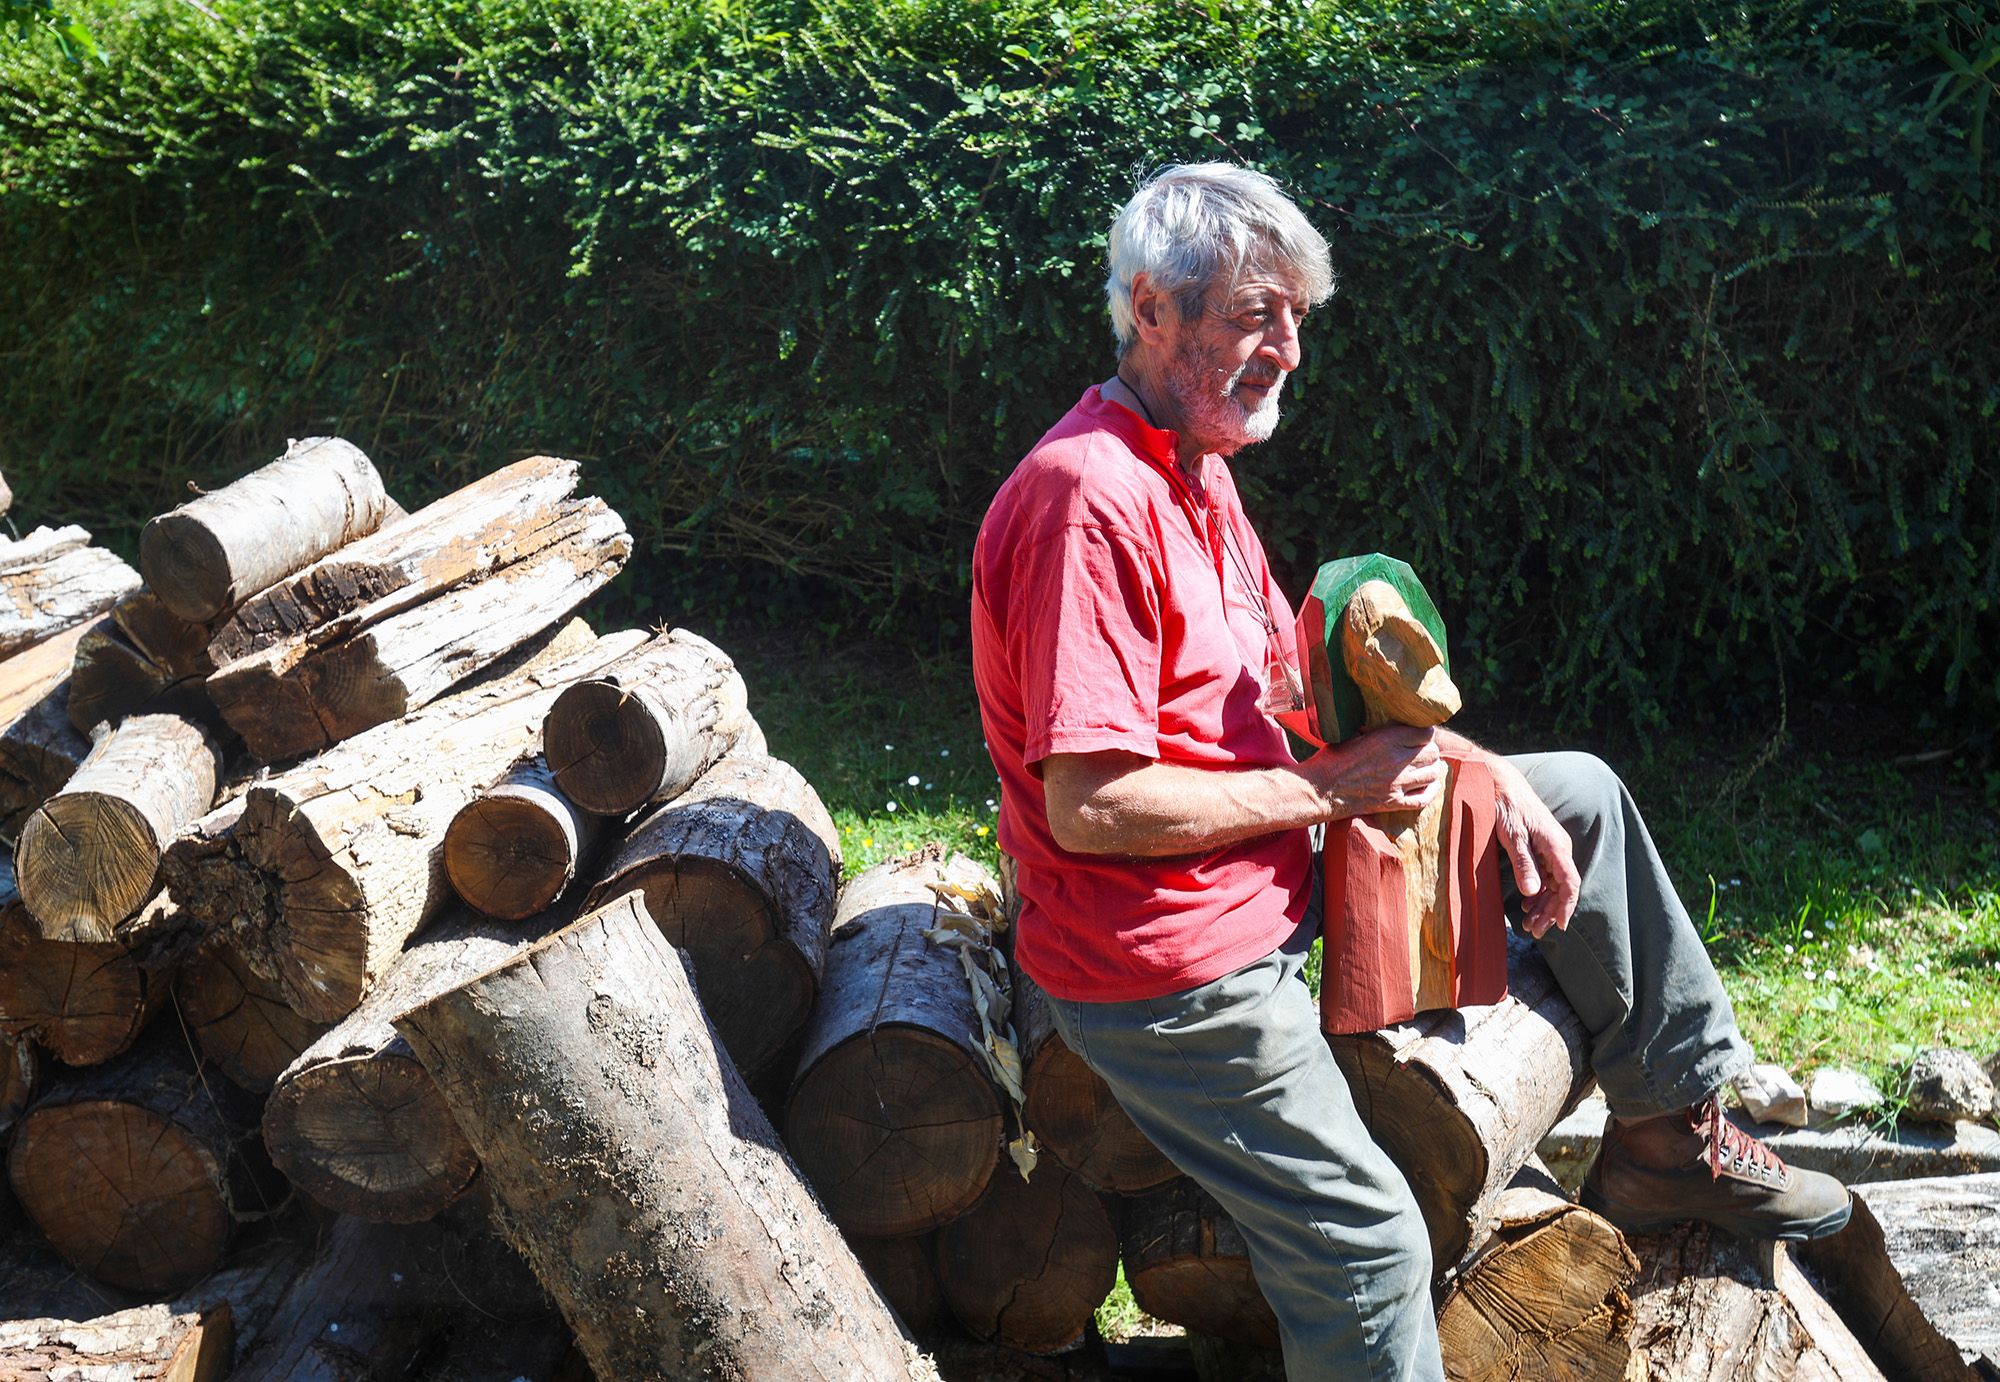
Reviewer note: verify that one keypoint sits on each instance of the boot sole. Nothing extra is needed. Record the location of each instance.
(1743, 1226)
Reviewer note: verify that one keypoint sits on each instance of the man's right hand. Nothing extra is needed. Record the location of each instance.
(1389, 768)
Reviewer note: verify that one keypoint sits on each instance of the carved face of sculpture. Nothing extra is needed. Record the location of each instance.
(1394, 660)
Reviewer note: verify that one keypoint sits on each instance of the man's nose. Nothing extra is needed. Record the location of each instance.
(1281, 337)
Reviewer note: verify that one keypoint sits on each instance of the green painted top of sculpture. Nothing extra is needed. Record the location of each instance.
(1336, 704)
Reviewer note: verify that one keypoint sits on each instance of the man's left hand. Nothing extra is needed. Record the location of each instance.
(1539, 848)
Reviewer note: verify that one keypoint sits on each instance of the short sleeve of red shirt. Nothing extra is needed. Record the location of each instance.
(1089, 654)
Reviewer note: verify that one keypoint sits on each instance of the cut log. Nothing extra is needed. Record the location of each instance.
(356, 1121)
(323, 872)
(138, 1171)
(6, 495)
(741, 873)
(646, 729)
(893, 1116)
(212, 553)
(1544, 1297)
(1940, 1235)
(641, 1180)
(90, 855)
(1028, 1266)
(1187, 1263)
(1072, 1111)
(39, 748)
(53, 579)
(238, 1017)
(307, 692)
(147, 1344)
(87, 1001)
(138, 657)
(513, 850)
(904, 1270)
(20, 1068)
(1460, 1098)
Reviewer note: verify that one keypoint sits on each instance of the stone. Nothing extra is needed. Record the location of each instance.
(1946, 1086)
(1771, 1095)
(1836, 1092)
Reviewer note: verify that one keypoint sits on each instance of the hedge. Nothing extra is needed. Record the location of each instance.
(1662, 349)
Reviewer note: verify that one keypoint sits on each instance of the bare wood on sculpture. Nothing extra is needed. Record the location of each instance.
(53, 579)
(137, 1171)
(1071, 1109)
(149, 1343)
(90, 855)
(324, 871)
(87, 1001)
(238, 1017)
(1029, 1264)
(646, 729)
(1460, 1098)
(356, 1121)
(302, 695)
(741, 873)
(215, 551)
(584, 1073)
(893, 1116)
(514, 849)
(1187, 1263)
(39, 747)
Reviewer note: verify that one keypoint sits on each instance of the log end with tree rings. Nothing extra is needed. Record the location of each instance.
(369, 1137)
(83, 1000)
(509, 855)
(1028, 1266)
(1077, 1119)
(608, 745)
(240, 1019)
(186, 565)
(897, 1128)
(1187, 1263)
(86, 861)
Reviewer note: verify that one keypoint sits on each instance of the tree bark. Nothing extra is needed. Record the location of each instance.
(1706, 1309)
(893, 1116)
(515, 848)
(6, 495)
(1028, 1266)
(53, 579)
(1545, 1297)
(740, 873)
(356, 1121)
(1460, 1098)
(307, 692)
(238, 1017)
(90, 855)
(39, 748)
(640, 1178)
(209, 555)
(644, 730)
(324, 871)
(1072, 1110)
(1187, 1263)
(87, 1001)
(138, 1171)
(149, 1343)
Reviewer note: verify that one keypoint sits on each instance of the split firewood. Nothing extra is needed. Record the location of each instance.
(238, 1017)
(1030, 1263)
(6, 495)
(905, 1271)
(1707, 1308)
(1072, 1111)
(893, 1115)
(1544, 1297)
(1460, 1099)
(356, 1121)
(741, 873)
(89, 856)
(645, 730)
(512, 850)
(212, 553)
(476, 582)
(1856, 1273)
(53, 579)
(87, 1001)
(39, 747)
(138, 1171)
(325, 870)
(20, 1068)
(139, 656)
(587, 1077)
(1187, 1263)
(149, 1343)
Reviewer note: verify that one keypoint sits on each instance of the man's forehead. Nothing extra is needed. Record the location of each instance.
(1258, 286)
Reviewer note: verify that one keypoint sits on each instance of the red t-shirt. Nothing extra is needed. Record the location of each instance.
(1108, 613)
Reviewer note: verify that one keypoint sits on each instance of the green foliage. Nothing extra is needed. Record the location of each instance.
(1662, 351)
(24, 20)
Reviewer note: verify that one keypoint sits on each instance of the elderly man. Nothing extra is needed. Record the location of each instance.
(1130, 647)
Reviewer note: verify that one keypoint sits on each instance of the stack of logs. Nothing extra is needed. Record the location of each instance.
(345, 861)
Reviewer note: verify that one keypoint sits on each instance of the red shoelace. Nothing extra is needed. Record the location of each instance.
(1728, 1142)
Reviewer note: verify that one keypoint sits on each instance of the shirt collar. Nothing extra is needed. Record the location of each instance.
(1156, 445)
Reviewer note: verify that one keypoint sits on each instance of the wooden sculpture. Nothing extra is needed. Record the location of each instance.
(1413, 907)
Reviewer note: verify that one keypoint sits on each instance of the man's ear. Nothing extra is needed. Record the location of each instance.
(1153, 309)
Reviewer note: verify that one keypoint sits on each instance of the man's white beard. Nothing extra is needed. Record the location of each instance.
(1209, 407)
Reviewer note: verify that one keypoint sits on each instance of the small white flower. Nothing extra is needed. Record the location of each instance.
(892, 806)
(913, 779)
(944, 753)
(888, 748)
(929, 785)
(1809, 972)
(1788, 950)
(1808, 933)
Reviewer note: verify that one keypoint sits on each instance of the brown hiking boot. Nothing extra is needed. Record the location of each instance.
(1698, 1165)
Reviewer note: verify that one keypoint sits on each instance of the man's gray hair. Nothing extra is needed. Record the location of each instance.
(1195, 224)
